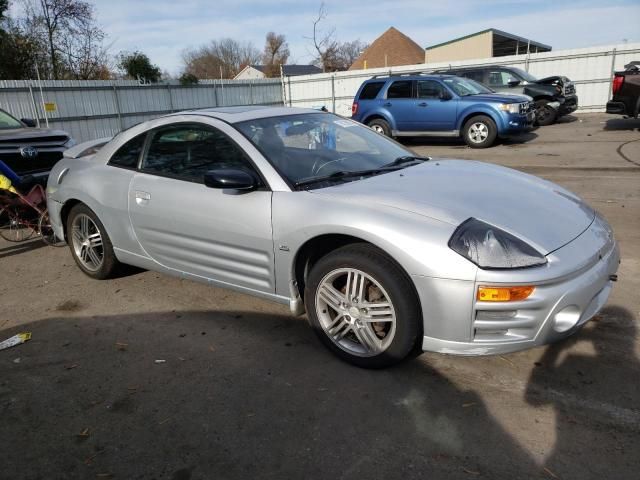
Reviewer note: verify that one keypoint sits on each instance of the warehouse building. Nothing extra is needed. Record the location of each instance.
(485, 44)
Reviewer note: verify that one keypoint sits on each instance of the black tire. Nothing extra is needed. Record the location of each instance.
(545, 115)
(380, 126)
(471, 127)
(397, 286)
(110, 265)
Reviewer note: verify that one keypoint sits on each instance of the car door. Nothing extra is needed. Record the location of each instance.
(436, 110)
(400, 103)
(221, 235)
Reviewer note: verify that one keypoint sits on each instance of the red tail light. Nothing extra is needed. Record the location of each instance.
(618, 80)
(354, 108)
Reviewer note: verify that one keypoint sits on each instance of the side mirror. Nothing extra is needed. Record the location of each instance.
(230, 178)
(29, 122)
(445, 95)
(513, 82)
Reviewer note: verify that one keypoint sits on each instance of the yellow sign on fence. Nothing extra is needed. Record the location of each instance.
(50, 107)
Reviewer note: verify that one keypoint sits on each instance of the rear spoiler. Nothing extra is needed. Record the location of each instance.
(86, 148)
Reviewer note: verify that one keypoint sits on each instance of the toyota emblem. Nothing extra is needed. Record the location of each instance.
(29, 152)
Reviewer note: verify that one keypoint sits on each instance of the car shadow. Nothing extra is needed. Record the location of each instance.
(619, 123)
(240, 394)
(11, 249)
(458, 143)
(233, 395)
(566, 119)
(582, 384)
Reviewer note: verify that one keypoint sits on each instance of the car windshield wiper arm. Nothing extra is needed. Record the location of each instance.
(339, 175)
(406, 159)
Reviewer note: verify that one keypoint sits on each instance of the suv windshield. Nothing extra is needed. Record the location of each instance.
(465, 86)
(526, 76)
(309, 147)
(7, 121)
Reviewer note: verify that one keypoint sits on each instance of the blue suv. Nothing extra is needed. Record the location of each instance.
(442, 106)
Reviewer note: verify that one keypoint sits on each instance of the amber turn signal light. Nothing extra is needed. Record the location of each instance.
(504, 294)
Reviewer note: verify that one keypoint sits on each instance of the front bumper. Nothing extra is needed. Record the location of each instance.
(568, 104)
(557, 309)
(516, 124)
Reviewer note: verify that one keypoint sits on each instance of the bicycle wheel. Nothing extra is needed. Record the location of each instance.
(12, 227)
(46, 231)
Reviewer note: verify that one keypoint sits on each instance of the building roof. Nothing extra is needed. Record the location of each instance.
(293, 70)
(392, 48)
(499, 37)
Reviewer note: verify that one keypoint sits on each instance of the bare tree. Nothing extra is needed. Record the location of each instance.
(84, 56)
(276, 53)
(224, 57)
(348, 52)
(54, 21)
(324, 42)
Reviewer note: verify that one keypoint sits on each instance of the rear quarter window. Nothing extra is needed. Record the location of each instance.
(371, 90)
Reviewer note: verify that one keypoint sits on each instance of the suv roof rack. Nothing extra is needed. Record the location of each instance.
(401, 74)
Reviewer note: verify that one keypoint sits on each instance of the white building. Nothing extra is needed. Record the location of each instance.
(255, 72)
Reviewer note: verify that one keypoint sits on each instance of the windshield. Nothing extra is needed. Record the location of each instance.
(526, 76)
(7, 121)
(316, 146)
(465, 86)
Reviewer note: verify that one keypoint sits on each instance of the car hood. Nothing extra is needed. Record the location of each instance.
(539, 212)
(29, 133)
(499, 97)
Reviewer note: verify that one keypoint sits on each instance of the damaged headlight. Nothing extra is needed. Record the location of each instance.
(489, 247)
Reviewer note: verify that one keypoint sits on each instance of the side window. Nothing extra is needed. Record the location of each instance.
(429, 89)
(127, 155)
(187, 152)
(500, 78)
(476, 75)
(400, 89)
(371, 90)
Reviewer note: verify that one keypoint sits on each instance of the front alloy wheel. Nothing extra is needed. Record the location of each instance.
(363, 306)
(355, 312)
(480, 132)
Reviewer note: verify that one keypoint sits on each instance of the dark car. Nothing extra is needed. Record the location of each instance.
(31, 151)
(440, 106)
(553, 96)
(626, 92)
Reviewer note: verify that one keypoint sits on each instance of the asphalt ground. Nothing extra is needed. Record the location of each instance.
(244, 390)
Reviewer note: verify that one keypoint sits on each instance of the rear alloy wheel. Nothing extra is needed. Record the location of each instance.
(479, 132)
(380, 126)
(362, 306)
(545, 115)
(89, 243)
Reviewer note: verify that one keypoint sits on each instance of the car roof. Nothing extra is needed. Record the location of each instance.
(246, 112)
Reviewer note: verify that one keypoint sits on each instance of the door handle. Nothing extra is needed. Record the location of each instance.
(142, 198)
(388, 104)
(423, 104)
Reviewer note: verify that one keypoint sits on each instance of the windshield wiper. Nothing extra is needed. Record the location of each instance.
(404, 160)
(338, 176)
(397, 164)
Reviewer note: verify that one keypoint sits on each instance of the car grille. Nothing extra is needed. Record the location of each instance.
(525, 108)
(569, 89)
(44, 162)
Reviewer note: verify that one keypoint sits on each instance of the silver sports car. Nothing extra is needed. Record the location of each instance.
(386, 251)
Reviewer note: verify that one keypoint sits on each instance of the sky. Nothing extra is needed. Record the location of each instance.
(163, 29)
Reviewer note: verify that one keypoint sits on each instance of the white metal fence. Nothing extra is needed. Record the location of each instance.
(590, 68)
(95, 109)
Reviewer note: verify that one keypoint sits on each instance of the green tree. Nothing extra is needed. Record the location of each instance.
(138, 66)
